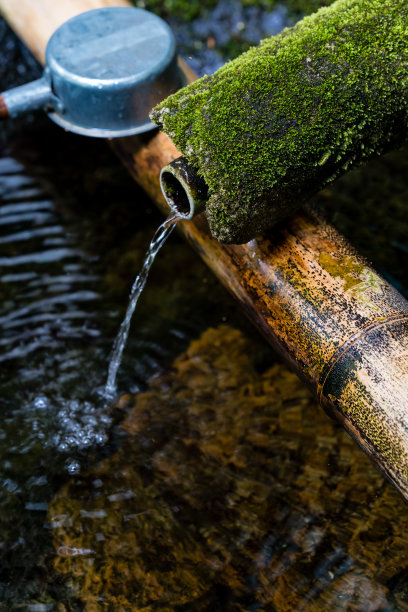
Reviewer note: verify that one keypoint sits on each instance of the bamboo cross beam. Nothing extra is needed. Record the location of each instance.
(336, 321)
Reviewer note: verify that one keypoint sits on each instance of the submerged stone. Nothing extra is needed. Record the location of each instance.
(272, 127)
(233, 491)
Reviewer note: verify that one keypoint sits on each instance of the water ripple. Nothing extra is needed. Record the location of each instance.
(31, 233)
(25, 207)
(29, 217)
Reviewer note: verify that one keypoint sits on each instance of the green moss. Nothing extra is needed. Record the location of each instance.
(306, 7)
(356, 403)
(346, 268)
(275, 125)
(185, 10)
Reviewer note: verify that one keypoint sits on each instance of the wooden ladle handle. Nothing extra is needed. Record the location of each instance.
(4, 112)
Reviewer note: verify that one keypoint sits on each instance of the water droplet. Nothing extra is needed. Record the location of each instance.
(41, 402)
(73, 466)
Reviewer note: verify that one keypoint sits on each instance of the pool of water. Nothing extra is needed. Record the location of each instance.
(214, 482)
(64, 288)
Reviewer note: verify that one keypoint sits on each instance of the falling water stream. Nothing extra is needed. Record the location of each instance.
(156, 244)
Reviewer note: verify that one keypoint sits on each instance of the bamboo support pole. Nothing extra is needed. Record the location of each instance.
(339, 324)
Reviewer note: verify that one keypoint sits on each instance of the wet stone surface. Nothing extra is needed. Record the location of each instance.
(225, 31)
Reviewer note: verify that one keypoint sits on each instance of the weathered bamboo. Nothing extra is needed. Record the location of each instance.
(341, 326)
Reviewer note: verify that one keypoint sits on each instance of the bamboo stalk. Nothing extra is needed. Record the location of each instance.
(339, 324)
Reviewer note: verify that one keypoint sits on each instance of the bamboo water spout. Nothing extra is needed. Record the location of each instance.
(341, 326)
(184, 191)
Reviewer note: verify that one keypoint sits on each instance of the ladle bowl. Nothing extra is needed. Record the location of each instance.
(105, 70)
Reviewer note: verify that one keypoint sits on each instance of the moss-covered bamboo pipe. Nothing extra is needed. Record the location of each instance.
(341, 326)
(273, 126)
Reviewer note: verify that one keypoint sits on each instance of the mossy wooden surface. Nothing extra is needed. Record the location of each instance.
(275, 125)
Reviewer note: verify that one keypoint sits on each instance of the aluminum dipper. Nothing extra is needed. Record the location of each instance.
(105, 70)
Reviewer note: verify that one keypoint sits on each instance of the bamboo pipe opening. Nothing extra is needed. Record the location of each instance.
(184, 191)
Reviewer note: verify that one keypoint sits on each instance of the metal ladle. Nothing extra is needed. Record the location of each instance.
(105, 70)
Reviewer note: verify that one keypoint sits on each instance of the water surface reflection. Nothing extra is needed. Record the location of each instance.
(72, 236)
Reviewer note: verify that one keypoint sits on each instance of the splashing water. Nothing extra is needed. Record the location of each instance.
(156, 244)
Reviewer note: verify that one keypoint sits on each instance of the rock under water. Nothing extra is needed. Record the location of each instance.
(233, 491)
